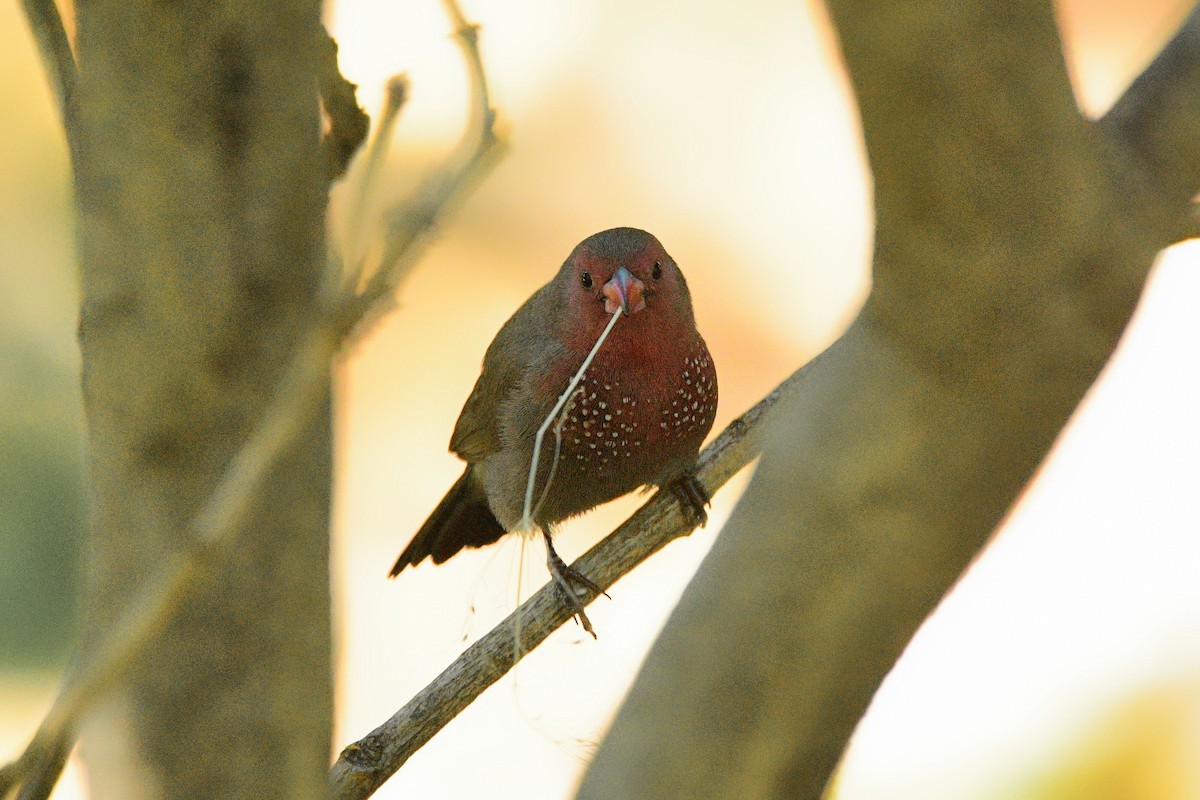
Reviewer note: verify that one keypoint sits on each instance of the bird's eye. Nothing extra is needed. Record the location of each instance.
(587, 280)
(656, 273)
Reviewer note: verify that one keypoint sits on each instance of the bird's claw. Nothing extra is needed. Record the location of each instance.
(571, 584)
(692, 497)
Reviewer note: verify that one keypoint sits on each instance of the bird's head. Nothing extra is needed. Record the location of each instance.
(627, 271)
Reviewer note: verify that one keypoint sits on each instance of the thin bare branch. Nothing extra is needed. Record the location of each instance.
(395, 96)
(57, 59)
(473, 158)
(40, 784)
(12, 773)
(364, 766)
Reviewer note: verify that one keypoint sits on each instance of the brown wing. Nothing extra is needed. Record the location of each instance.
(520, 343)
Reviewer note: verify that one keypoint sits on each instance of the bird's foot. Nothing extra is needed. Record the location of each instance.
(572, 584)
(692, 497)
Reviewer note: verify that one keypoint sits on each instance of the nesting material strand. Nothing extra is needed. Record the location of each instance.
(527, 514)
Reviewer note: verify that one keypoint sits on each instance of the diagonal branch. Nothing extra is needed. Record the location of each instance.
(365, 765)
(58, 61)
(220, 518)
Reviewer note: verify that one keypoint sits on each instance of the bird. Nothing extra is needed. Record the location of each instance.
(636, 419)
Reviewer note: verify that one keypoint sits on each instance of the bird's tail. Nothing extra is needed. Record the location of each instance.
(462, 519)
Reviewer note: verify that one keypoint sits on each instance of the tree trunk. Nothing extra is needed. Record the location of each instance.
(200, 214)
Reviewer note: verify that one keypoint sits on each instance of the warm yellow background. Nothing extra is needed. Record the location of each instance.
(1071, 650)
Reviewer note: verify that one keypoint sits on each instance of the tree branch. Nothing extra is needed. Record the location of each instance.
(366, 764)
(297, 398)
(395, 96)
(58, 61)
(476, 153)
(1010, 251)
(1157, 120)
(40, 784)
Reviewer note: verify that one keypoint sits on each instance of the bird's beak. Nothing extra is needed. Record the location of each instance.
(624, 292)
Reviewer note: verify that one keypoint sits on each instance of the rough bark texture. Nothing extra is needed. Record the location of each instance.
(1012, 243)
(200, 200)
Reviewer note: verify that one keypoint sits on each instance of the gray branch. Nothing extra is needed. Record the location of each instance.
(365, 765)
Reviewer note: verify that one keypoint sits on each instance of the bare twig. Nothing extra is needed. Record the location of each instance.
(40, 783)
(364, 765)
(12, 773)
(395, 96)
(219, 520)
(58, 60)
(348, 123)
(476, 153)
(483, 115)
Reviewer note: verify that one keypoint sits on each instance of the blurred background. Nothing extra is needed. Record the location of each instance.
(1067, 662)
